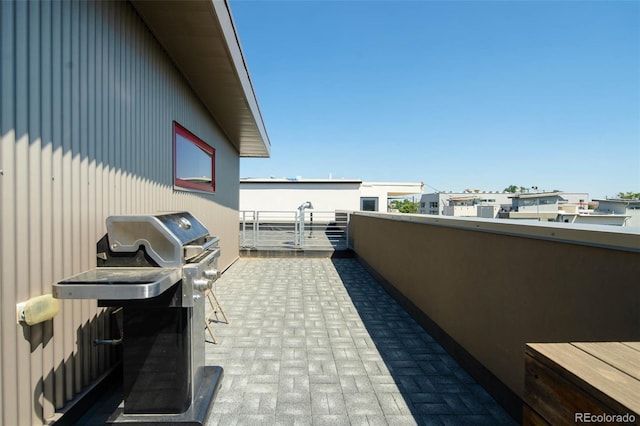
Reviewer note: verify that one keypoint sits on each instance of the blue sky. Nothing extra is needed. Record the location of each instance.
(456, 94)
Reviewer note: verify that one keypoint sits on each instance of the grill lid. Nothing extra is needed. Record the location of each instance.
(164, 236)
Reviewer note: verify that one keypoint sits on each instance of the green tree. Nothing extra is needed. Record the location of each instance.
(405, 206)
(512, 189)
(629, 195)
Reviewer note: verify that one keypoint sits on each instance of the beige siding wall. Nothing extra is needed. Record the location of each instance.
(88, 99)
(493, 288)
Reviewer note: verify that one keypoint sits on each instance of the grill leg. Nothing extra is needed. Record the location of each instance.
(213, 337)
(215, 308)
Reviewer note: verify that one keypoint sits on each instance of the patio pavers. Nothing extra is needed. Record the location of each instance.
(315, 341)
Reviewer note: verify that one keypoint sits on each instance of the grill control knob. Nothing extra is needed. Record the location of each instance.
(202, 284)
(212, 274)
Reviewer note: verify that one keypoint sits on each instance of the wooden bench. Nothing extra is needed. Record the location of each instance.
(571, 383)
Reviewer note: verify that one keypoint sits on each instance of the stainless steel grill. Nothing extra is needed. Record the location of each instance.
(158, 268)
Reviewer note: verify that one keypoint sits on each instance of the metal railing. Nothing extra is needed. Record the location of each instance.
(299, 229)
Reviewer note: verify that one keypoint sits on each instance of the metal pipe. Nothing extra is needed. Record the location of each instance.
(254, 229)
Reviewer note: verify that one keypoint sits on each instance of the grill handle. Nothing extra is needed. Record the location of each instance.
(193, 251)
(213, 242)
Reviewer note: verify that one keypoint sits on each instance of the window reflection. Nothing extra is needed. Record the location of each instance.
(194, 161)
(369, 204)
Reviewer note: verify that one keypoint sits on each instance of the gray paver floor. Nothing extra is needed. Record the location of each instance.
(318, 341)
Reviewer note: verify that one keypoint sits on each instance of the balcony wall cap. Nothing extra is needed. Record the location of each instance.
(606, 236)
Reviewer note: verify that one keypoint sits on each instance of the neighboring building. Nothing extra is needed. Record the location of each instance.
(101, 102)
(324, 194)
(537, 206)
(542, 205)
(547, 206)
(475, 203)
(461, 203)
(572, 213)
(630, 208)
(489, 211)
(580, 199)
(469, 206)
(506, 205)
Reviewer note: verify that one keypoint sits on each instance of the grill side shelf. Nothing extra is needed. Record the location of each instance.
(117, 283)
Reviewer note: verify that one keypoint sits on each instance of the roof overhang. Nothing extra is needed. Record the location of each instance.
(200, 38)
(397, 189)
(463, 198)
(617, 200)
(537, 195)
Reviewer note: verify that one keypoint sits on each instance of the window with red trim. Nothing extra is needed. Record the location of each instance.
(194, 161)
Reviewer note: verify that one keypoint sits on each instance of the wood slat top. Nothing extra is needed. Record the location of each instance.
(634, 345)
(618, 355)
(610, 369)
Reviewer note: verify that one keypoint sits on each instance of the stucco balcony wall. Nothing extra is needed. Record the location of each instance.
(488, 287)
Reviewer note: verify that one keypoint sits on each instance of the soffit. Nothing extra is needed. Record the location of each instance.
(200, 38)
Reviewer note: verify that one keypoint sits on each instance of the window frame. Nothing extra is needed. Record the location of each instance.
(183, 184)
(375, 199)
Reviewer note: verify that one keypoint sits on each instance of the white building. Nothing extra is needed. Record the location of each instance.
(324, 194)
(543, 202)
(474, 203)
(543, 205)
(572, 213)
(630, 208)
(462, 203)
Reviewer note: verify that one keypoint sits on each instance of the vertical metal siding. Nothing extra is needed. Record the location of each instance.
(21, 205)
(35, 190)
(7, 94)
(46, 171)
(88, 98)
